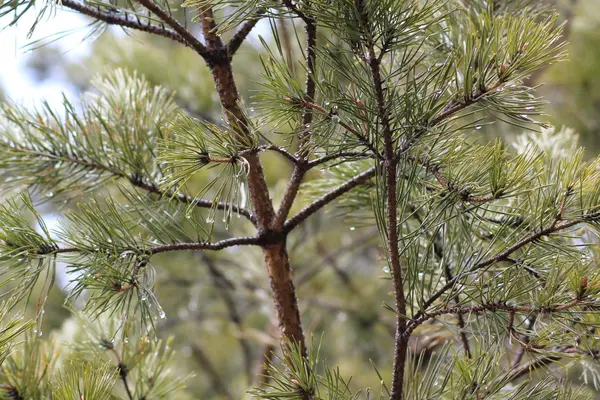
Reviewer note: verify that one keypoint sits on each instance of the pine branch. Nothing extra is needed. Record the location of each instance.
(180, 29)
(198, 202)
(300, 169)
(220, 245)
(499, 257)
(321, 202)
(183, 246)
(344, 155)
(293, 6)
(491, 307)
(140, 182)
(451, 186)
(239, 37)
(281, 151)
(120, 19)
(328, 115)
(390, 166)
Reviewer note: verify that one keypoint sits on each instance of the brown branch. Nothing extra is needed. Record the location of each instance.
(279, 150)
(198, 202)
(449, 185)
(340, 154)
(294, 8)
(328, 115)
(497, 258)
(293, 186)
(122, 19)
(491, 307)
(523, 343)
(121, 367)
(390, 165)
(274, 246)
(239, 37)
(221, 244)
(140, 182)
(180, 29)
(321, 202)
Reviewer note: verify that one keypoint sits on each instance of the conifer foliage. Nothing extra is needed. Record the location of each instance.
(490, 241)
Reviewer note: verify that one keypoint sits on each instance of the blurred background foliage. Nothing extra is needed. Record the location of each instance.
(218, 306)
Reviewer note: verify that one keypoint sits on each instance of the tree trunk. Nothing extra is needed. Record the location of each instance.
(274, 248)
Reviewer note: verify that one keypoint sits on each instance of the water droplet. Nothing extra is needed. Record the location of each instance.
(420, 275)
(352, 228)
(49, 194)
(478, 127)
(126, 340)
(386, 270)
(162, 314)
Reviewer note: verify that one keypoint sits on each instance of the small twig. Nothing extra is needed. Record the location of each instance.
(363, 140)
(497, 258)
(239, 37)
(492, 307)
(221, 244)
(180, 29)
(521, 349)
(340, 154)
(328, 198)
(125, 20)
(123, 372)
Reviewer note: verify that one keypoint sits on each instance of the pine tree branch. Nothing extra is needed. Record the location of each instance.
(499, 257)
(390, 165)
(274, 248)
(321, 202)
(141, 183)
(328, 115)
(182, 246)
(521, 349)
(291, 191)
(449, 185)
(198, 202)
(279, 150)
(340, 154)
(491, 307)
(294, 8)
(124, 20)
(180, 29)
(220, 245)
(239, 37)
(122, 368)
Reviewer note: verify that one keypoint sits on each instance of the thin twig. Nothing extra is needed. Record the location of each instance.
(497, 258)
(121, 19)
(321, 202)
(221, 244)
(300, 169)
(239, 37)
(180, 29)
(492, 307)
